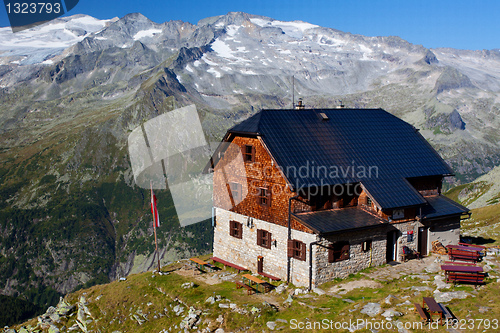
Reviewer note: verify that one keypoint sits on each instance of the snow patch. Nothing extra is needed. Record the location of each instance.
(214, 72)
(222, 49)
(146, 33)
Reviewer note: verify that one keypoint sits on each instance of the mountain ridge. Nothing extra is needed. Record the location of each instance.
(66, 181)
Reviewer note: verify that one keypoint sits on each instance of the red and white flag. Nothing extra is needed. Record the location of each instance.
(154, 210)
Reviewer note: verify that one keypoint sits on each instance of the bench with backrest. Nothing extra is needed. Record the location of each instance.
(228, 264)
(455, 254)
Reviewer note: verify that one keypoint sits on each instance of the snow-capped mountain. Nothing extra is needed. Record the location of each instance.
(72, 90)
(45, 41)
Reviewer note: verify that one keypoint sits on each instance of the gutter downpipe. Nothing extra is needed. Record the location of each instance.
(289, 236)
(310, 263)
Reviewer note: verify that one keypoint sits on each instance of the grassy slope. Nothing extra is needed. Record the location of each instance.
(112, 305)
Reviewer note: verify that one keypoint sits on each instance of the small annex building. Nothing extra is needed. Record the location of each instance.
(311, 195)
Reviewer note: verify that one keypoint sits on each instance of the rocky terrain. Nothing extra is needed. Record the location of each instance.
(72, 90)
(183, 299)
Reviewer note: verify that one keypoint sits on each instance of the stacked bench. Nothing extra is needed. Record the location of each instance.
(467, 253)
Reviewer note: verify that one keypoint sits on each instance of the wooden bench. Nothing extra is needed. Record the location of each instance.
(269, 276)
(460, 263)
(464, 255)
(227, 263)
(473, 278)
(424, 315)
(446, 313)
(249, 289)
(472, 245)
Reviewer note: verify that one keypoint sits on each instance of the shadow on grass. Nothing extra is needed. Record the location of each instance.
(476, 240)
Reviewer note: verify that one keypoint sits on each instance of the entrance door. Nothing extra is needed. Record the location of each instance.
(422, 240)
(260, 264)
(391, 246)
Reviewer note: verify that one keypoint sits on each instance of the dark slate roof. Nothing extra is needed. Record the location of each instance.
(339, 220)
(351, 139)
(439, 206)
(394, 192)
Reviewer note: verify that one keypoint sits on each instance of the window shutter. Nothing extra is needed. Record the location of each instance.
(231, 228)
(268, 240)
(259, 237)
(268, 195)
(302, 251)
(330, 255)
(253, 153)
(290, 248)
(345, 252)
(240, 230)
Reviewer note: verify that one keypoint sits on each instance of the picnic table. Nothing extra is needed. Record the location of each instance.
(252, 280)
(200, 264)
(468, 274)
(433, 308)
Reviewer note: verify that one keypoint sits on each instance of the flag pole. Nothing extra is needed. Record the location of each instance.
(155, 217)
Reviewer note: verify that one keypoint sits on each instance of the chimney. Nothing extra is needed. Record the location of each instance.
(300, 105)
(340, 106)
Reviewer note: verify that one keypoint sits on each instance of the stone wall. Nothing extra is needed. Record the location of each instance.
(358, 259)
(244, 251)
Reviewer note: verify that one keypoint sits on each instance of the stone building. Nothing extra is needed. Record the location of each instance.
(311, 195)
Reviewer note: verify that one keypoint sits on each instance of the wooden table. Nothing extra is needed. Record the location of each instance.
(251, 280)
(201, 264)
(433, 308)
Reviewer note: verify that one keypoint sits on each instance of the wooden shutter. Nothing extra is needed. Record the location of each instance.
(268, 240)
(231, 228)
(268, 195)
(345, 252)
(290, 248)
(253, 154)
(302, 251)
(240, 230)
(259, 237)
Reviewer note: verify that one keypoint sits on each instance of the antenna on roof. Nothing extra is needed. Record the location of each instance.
(341, 105)
(293, 92)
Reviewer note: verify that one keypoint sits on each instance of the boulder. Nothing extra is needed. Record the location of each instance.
(372, 309)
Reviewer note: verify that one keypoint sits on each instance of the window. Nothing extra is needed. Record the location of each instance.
(235, 192)
(398, 214)
(368, 201)
(264, 197)
(367, 245)
(338, 252)
(249, 153)
(264, 238)
(236, 229)
(297, 249)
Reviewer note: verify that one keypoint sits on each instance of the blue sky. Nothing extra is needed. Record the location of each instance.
(432, 23)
